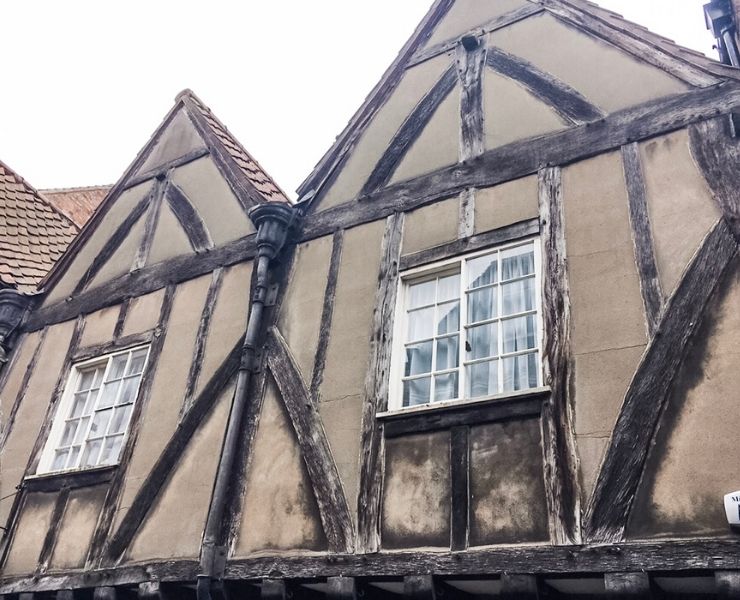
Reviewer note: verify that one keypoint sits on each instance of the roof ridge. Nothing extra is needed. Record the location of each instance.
(81, 188)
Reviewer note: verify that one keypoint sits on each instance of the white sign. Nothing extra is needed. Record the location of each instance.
(732, 508)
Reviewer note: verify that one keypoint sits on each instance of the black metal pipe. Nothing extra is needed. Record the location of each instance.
(272, 221)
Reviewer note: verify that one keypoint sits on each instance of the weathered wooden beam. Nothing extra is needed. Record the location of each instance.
(201, 338)
(628, 585)
(327, 315)
(121, 321)
(315, 449)
(341, 588)
(519, 587)
(611, 503)
(189, 218)
(274, 589)
(728, 584)
(558, 95)
(460, 480)
(376, 389)
(72, 480)
(52, 532)
(642, 236)
(526, 157)
(558, 439)
(164, 168)
(121, 343)
(419, 587)
(409, 132)
(481, 241)
(471, 56)
(716, 150)
(150, 225)
(466, 219)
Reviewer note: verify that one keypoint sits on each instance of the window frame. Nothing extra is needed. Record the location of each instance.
(457, 264)
(61, 413)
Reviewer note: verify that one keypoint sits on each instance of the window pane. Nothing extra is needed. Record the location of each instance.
(421, 324)
(445, 387)
(100, 423)
(117, 366)
(482, 271)
(483, 379)
(73, 456)
(448, 353)
(69, 433)
(483, 341)
(109, 393)
(448, 318)
(518, 296)
(78, 404)
(90, 455)
(519, 334)
(517, 263)
(418, 359)
(128, 394)
(120, 419)
(86, 380)
(81, 431)
(482, 305)
(60, 460)
(448, 288)
(92, 397)
(138, 359)
(98, 377)
(520, 372)
(422, 294)
(416, 391)
(111, 450)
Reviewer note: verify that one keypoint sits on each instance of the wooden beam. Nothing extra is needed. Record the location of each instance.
(466, 219)
(341, 588)
(459, 478)
(376, 389)
(558, 95)
(558, 439)
(642, 236)
(52, 532)
(274, 589)
(121, 343)
(201, 338)
(121, 321)
(315, 449)
(716, 150)
(470, 63)
(519, 587)
(189, 218)
(148, 279)
(628, 585)
(172, 452)
(728, 584)
(150, 226)
(611, 503)
(164, 168)
(409, 132)
(481, 241)
(419, 587)
(526, 157)
(327, 315)
(69, 479)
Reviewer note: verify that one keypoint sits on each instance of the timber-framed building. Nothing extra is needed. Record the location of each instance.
(492, 351)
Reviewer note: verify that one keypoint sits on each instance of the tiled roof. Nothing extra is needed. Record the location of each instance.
(254, 172)
(77, 204)
(33, 234)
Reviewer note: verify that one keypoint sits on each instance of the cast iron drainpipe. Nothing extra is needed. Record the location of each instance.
(272, 221)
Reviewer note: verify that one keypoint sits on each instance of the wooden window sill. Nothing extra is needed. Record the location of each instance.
(52, 482)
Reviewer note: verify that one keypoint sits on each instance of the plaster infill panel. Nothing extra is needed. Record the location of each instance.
(143, 313)
(30, 533)
(431, 225)
(32, 411)
(694, 457)
(467, 15)
(681, 207)
(77, 527)
(165, 533)
(122, 259)
(512, 113)
(212, 197)
(105, 228)
(506, 204)
(607, 76)
(279, 512)
(300, 314)
(416, 500)
(170, 239)
(21, 360)
(178, 139)
(414, 85)
(507, 488)
(99, 326)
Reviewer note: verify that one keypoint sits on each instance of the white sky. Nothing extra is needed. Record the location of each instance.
(85, 82)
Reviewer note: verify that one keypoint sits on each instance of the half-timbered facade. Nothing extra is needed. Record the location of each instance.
(491, 352)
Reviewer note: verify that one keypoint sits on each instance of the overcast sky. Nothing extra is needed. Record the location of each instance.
(85, 82)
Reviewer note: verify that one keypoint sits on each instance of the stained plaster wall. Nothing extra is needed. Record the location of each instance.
(431, 225)
(19, 363)
(694, 457)
(77, 527)
(279, 512)
(506, 204)
(143, 313)
(169, 240)
(681, 208)
(99, 326)
(178, 139)
(608, 330)
(122, 260)
(30, 534)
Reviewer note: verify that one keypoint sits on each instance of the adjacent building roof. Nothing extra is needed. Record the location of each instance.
(77, 204)
(33, 233)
